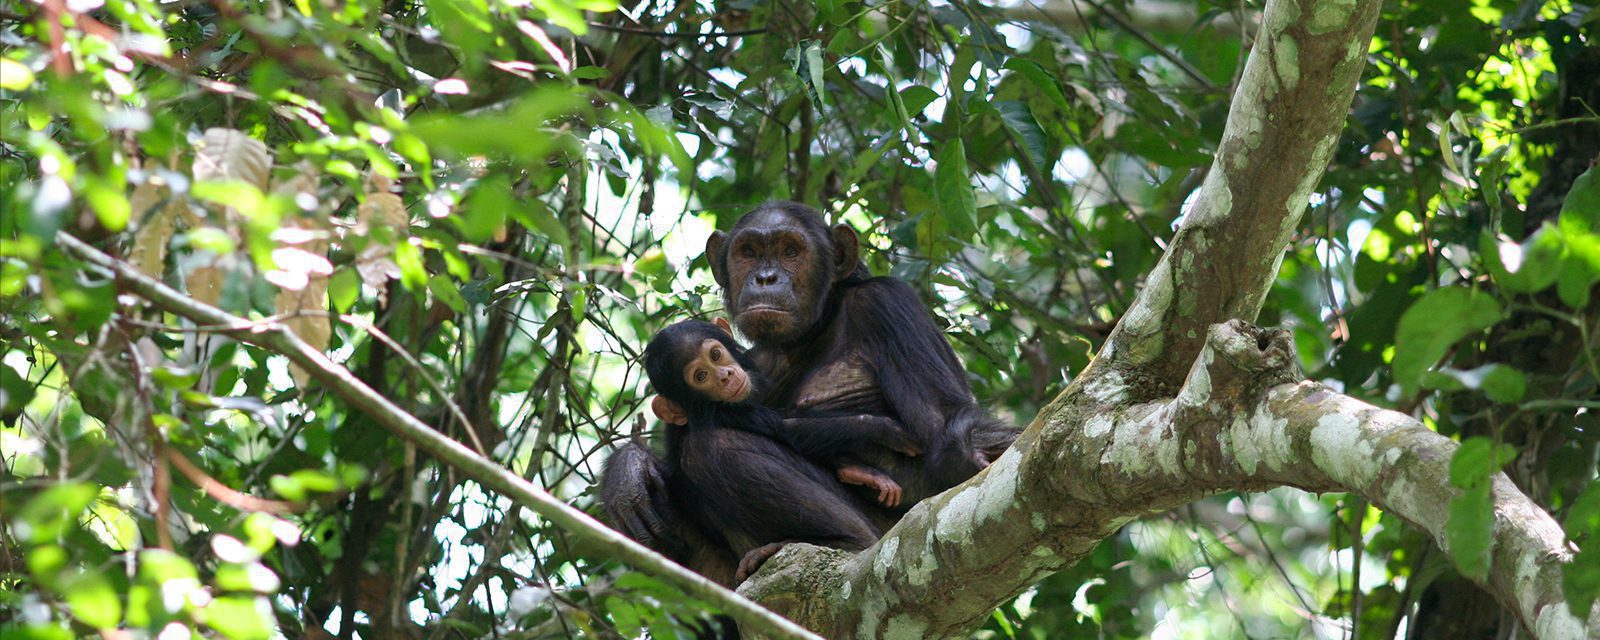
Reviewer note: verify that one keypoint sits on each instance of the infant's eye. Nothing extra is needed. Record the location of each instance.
(716, 354)
(699, 376)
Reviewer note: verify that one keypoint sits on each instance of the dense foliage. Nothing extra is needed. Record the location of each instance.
(481, 208)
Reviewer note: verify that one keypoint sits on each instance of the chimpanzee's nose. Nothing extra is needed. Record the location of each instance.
(767, 277)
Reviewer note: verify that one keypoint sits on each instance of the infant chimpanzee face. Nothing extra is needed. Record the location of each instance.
(714, 374)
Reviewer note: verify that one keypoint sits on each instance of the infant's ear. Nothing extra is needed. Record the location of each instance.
(723, 322)
(669, 411)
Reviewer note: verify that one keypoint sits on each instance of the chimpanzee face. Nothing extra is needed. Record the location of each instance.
(776, 267)
(713, 373)
(697, 366)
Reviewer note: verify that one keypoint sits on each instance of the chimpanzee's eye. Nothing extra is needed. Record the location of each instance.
(747, 251)
(716, 355)
(790, 251)
(700, 376)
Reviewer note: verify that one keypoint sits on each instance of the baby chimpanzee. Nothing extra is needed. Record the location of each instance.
(730, 470)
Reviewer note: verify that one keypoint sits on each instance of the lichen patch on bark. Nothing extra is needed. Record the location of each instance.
(1337, 446)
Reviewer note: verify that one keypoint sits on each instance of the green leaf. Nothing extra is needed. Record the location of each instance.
(93, 600)
(14, 631)
(237, 617)
(1580, 211)
(1580, 580)
(1040, 79)
(1499, 382)
(447, 291)
(1580, 270)
(15, 393)
(915, 98)
(958, 206)
(14, 76)
(344, 289)
(1505, 384)
(408, 257)
(536, 215)
(486, 134)
(1476, 460)
(1583, 517)
(485, 210)
(828, 11)
(815, 67)
(1019, 121)
(1470, 530)
(1433, 324)
(110, 203)
(1529, 267)
(49, 516)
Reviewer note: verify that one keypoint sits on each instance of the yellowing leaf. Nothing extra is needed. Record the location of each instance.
(205, 284)
(14, 76)
(149, 252)
(229, 154)
(307, 319)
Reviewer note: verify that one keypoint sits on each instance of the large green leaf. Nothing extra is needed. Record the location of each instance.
(958, 206)
(1435, 323)
(1470, 530)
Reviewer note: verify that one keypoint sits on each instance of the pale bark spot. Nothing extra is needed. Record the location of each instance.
(1144, 441)
(1108, 388)
(1216, 199)
(1196, 390)
(1286, 57)
(1554, 620)
(998, 492)
(954, 522)
(1098, 426)
(1261, 438)
(1144, 321)
(1338, 448)
(1329, 15)
(886, 551)
(905, 627)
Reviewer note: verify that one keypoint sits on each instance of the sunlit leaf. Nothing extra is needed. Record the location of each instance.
(1435, 323)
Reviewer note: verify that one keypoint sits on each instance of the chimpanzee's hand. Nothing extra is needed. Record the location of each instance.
(633, 490)
(864, 476)
(751, 562)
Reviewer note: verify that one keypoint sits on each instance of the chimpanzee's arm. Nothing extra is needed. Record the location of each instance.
(918, 373)
(633, 490)
(825, 437)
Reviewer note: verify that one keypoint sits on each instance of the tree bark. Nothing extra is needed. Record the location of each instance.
(1184, 400)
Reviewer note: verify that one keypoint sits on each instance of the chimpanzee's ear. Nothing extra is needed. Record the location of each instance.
(847, 248)
(723, 322)
(668, 411)
(714, 255)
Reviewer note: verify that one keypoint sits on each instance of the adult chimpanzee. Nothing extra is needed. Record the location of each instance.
(727, 470)
(830, 337)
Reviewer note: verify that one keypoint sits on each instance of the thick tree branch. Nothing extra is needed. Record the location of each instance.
(278, 339)
(1239, 422)
(1285, 118)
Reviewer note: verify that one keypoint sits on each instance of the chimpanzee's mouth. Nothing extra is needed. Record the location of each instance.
(764, 308)
(736, 394)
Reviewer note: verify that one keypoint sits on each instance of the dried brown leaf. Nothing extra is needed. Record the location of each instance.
(229, 154)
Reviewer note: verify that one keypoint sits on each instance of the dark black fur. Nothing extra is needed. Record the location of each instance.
(845, 344)
(730, 473)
